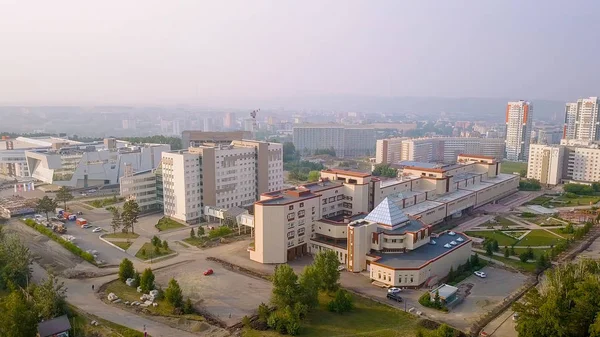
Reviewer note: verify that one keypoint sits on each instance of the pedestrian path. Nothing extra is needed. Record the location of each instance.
(136, 245)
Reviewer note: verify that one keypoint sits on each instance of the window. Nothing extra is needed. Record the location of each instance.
(324, 201)
(340, 197)
(291, 216)
(290, 235)
(291, 207)
(301, 231)
(301, 204)
(301, 213)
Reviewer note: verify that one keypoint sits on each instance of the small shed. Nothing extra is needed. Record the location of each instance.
(447, 293)
(56, 327)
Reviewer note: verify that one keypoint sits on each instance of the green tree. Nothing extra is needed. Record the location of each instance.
(18, 318)
(314, 175)
(192, 233)
(63, 194)
(495, 246)
(285, 286)
(451, 275)
(147, 280)
(15, 262)
(489, 250)
(126, 270)
(309, 282)
(165, 245)
(131, 212)
(342, 302)
(200, 231)
(155, 241)
(49, 298)
(385, 170)
(327, 263)
(506, 252)
(445, 331)
(173, 294)
(188, 307)
(475, 260)
(437, 301)
(289, 152)
(46, 205)
(117, 221)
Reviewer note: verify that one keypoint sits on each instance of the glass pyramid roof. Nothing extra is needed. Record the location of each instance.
(387, 213)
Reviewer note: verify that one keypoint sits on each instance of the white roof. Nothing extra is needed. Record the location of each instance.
(387, 213)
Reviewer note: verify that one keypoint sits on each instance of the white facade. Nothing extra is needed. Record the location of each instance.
(388, 151)
(140, 187)
(443, 149)
(346, 141)
(92, 165)
(545, 164)
(581, 120)
(221, 176)
(519, 117)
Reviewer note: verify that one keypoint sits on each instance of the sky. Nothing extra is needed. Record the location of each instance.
(195, 52)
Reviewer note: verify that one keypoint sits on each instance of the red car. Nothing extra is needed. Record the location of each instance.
(208, 272)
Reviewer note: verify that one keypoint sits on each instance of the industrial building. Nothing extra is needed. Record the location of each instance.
(92, 164)
(381, 226)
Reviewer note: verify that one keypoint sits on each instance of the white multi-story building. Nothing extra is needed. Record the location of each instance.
(545, 163)
(436, 149)
(581, 120)
(93, 164)
(141, 187)
(219, 175)
(345, 141)
(519, 117)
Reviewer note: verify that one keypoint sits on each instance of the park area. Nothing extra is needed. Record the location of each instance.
(511, 167)
(535, 237)
(165, 224)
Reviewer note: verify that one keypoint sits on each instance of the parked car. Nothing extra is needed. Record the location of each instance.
(480, 274)
(394, 290)
(394, 297)
(96, 230)
(86, 226)
(208, 272)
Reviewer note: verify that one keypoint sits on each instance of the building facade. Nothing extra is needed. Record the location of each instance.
(581, 120)
(519, 117)
(197, 138)
(141, 187)
(382, 226)
(345, 141)
(545, 164)
(571, 161)
(219, 175)
(97, 164)
(389, 151)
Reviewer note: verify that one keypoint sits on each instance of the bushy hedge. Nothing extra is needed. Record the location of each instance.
(219, 232)
(68, 245)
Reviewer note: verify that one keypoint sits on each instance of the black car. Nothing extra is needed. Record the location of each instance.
(394, 297)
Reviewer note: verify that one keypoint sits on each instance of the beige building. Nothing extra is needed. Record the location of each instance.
(573, 161)
(546, 163)
(436, 149)
(581, 120)
(196, 138)
(141, 187)
(382, 226)
(219, 175)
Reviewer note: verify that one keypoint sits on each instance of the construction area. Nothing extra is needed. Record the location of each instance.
(16, 206)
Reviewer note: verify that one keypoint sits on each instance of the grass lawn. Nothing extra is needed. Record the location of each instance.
(196, 241)
(100, 203)
(130, 294)
(541, 200)
(148, 251)
(539, 237)
(550, 221)
(515, 234)
(558, 231)
(121, 236)
(80, 322)
(165, 224)
(505, 222)
(503, 239)
(512, 166)
(524, 266)
(536, 252)
(368, 318)
(122, 244)
(579, 201)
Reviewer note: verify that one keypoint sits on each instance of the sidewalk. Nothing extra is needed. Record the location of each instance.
(136, 245)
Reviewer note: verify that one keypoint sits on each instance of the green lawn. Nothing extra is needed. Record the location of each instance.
(505, 222)
(368, 318)
(536, 252)
(541, 200)
(165, 224)
(148, 252)
(121, 236)
(524, 266)
(515, 234)
(512, 166)
(539, 237)
(197, 241)
(122, 244)
(503, 239)
(558, 231)
(80, 322)
(130, 294)
(100, 203)
(579, 201)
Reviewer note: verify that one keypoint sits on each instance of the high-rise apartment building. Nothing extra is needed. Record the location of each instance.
(219, 175)
(229, 120)
(518, 130)
(581, 120)
(345, 141)
(436, 149)
(545, 163)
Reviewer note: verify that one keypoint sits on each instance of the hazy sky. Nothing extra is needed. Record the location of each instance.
(163, 51)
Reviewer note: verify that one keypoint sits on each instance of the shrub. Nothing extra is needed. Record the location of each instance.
(188, 307)
(173, 294)
(155, 241)
(136, 279)
(263, 312)
(245, 321)
(147, 280)
(192, 234)
(342, 302)
(126, 270)
(165, 245)
(219, 232)
(200, 231)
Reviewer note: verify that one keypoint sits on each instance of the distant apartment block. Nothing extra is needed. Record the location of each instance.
(436, 149)
(197, 138)
(572, 161)
(346, 141)
(219, 175)
(93, 164)
(519, 117)
(549, 135)
(581, 120)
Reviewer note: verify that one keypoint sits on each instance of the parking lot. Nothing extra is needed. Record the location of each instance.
(227, 295)
(482, 295)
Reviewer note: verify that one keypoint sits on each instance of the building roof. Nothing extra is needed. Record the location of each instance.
(348, 173)
(387, 213)
(287, 196)
(411, 163)
(445, 291)
(476, 156)
(418, 258)
(54, 326)
(321, 185)
(422, 207)
(413, 225)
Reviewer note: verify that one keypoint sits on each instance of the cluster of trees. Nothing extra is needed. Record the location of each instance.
(464, 270)
(174, 296)
(289, 153)
(25, 304)
(145, 281)
(199, 232)
(530, 185)
(126, 219)
(329, 151)
(567, 303)
(304, 170)
(426, 301)
(46, 205)
(384, 170)
(581, 189)
(175, 142)
(159, 244)
(294, 296)
(491, 246)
